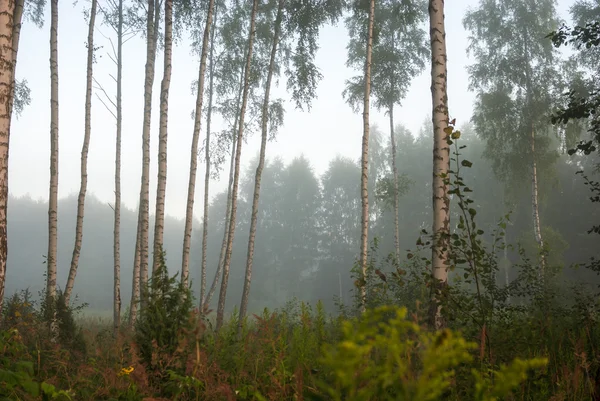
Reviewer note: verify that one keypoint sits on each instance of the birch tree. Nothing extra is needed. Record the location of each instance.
(207, 158)
(364, 182)
(218, 272)
(117, 222)
(229, 73)
(302, 23)
(140, 270)
(441, 159)
(236, 175)
(53, 193)
(189, 215)
(33, 11)
(159, 217)
(399, 54)
(514, 83)
(16, 97)
(261, 163)
(84, 155)
(7, 68)
(114, 16)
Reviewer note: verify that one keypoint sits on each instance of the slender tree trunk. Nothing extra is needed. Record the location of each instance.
(441, 158)
(236, 175)
(395, 172)
(7, 81)
(219, 271)
(117, 223)
(396, 194)
(189, 213)
(364, 181)
(537, 227)
(53, 195)
(135, 281)
(535, 208)
(17, 21)
(144, 219)
(84, 156)
(207, 168)
(259, 169)
(213, 286)
(161, 189)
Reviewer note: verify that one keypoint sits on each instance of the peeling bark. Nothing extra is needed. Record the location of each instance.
(161, 189)
(144, 217)
(8, 15)
(441, 159)
(364, 181)
(53, 194)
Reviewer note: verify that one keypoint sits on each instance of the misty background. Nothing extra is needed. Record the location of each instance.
(309, 228)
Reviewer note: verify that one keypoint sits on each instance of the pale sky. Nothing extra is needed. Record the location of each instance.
(329, 129)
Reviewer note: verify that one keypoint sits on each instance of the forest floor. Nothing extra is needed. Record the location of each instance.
(299, 353)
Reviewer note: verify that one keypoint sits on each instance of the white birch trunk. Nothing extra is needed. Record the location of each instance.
(441, 158)
(53, 194)
(537, 227)
(144, 220)
(135, 281)
(7, 82)
(364, 181)
(117, 222)
(236, 175)
(161, 189)
(259, 168)
(189, 213)
(84, 156)
(396, 194)
(219, 271)
(207, 168)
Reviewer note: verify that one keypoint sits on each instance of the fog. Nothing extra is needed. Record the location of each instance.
(308, 235)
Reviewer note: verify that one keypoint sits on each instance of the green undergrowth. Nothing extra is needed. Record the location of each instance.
(300, 353)
(532, 337)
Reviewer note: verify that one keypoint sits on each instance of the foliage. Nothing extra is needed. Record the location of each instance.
(22, 96)
(513, 76)
(384, 191)
(55, 312)
(16, 374)
(581, 105)
(383, 356)
(298, 352)
(165, 325)
(400, 50)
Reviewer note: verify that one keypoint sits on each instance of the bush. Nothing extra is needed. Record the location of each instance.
(165, 325)
(382, 356)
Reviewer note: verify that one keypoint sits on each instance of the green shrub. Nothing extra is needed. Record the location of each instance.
(164, 326)
(385, 357)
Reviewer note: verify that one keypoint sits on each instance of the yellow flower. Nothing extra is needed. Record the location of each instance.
(126, 371)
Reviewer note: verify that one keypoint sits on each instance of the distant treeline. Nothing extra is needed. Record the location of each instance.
(308, 231)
